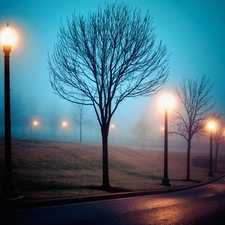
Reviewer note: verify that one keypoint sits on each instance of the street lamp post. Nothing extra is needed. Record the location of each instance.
(112, 126)
(35, 125)
(212, 127)
(165, 180)
(8, 186)
(167, 103)
(64, 125)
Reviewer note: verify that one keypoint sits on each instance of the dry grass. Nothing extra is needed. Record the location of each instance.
(44, 169)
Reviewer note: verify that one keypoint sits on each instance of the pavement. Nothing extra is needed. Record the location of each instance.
(22, 203)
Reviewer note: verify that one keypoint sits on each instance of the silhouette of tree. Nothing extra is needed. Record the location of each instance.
(78, 116)
(142, 128)
(53, 119)
(105, 58)
(196, 106)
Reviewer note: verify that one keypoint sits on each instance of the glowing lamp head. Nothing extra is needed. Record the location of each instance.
(7, 39)
(212, 126)
(35, 123)
(64, 124)
(167, 102)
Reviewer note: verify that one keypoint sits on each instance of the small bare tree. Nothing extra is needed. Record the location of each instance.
(78, 116)
(52, 116)
(196, 107)
(105, 58)
(142, 128)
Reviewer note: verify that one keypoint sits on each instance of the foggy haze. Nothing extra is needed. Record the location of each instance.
(193, 31)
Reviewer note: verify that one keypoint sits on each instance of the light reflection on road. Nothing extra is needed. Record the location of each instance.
(203, 205)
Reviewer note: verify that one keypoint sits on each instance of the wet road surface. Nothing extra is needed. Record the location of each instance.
(203, 205)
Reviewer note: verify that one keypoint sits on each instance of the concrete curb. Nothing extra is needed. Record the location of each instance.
(17, 204)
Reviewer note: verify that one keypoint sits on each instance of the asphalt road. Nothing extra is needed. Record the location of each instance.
(202, 205)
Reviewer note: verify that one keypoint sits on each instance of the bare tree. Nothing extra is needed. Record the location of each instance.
(107, 57)
(196, 106)
(52, 116)
(78, 116)
(142, 128)
(218, 138)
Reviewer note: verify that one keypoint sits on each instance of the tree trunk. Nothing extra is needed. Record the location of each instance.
(105, 169)
(188, 159)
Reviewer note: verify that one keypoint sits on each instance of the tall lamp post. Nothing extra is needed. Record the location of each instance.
(9, 191)
(212, 127)
(167, 103)
(35, 124)
(64, 125)
(112, 126)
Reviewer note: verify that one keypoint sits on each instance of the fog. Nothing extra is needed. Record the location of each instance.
(192, 30)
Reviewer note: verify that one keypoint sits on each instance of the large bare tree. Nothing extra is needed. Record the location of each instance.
(107, 57)
(195, 99)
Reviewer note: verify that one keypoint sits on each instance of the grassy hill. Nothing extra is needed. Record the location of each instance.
(44, 169)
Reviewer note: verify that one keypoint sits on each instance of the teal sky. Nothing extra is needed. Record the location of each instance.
(193, 30)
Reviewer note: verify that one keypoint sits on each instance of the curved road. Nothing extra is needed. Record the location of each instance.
(203, 205)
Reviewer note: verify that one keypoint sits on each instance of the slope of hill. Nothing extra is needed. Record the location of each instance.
(45, 169)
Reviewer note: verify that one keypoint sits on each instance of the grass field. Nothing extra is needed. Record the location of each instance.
(45, 169)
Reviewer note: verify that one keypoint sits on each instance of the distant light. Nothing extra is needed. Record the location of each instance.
(35, 123)
(7, 37)
(112, 126)
(64, 124)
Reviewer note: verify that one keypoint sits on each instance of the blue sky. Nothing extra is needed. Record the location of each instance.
(193, 30)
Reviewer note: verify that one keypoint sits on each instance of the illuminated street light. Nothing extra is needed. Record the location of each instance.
(64, 126)
(211, 127)
(35, 124)
(112, 127)
(167, 102)
(8, 187)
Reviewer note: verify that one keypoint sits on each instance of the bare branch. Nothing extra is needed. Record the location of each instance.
(107, 57)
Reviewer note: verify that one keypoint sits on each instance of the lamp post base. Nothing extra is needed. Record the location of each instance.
(210, 174)
(9, 192)
(166, 181)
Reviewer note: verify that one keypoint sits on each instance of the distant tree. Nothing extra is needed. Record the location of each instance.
(196, 107)
(79, 117)
(53, 119)
(142, 128)
(105, 58)
(219, 138)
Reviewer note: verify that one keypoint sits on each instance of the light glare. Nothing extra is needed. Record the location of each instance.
(167, 102)
(212, 125)
(7, 37)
